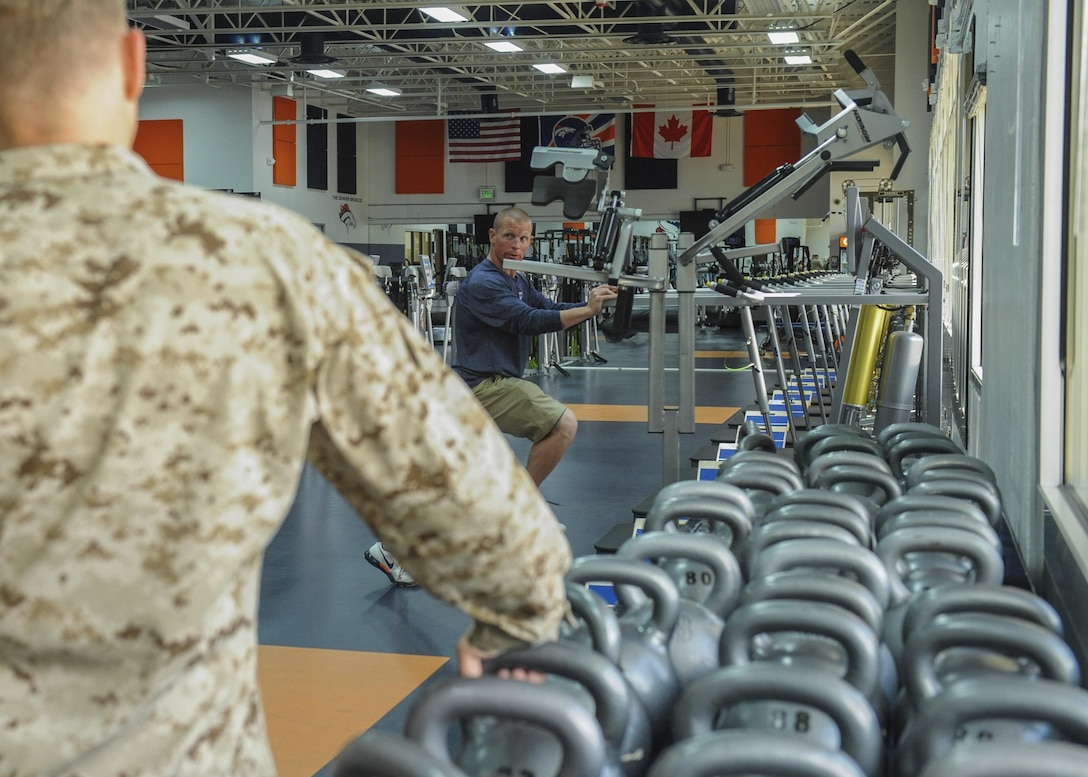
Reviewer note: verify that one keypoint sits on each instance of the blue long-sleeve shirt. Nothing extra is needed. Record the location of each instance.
(495, 319)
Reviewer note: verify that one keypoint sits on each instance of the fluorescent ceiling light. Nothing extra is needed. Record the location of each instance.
(783, 36)
(446, 14)
(550, 67)
(325, 72)
(798, 59)
(581, 82)
(504, 46)
(251, 56)
(384, 91)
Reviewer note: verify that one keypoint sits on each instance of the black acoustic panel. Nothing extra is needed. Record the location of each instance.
(519, 175)
(482, 223)
(346, 154)
(640, 173)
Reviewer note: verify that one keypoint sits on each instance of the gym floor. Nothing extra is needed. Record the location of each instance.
(342, 651)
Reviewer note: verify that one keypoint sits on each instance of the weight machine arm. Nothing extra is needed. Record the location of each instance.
(867, 118)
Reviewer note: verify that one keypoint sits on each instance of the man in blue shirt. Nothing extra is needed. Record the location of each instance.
(497, 313)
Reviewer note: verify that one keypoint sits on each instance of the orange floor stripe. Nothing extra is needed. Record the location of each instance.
(721, 354)
(638, 413)
(316, 701)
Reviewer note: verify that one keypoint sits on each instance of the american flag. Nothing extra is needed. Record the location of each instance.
(484, 140)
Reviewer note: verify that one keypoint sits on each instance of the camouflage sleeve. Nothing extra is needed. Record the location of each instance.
(401, 437)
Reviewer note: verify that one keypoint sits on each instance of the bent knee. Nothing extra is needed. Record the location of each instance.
(567, 425)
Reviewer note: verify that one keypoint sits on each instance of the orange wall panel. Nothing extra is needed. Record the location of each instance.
(420, 157)
(161, 143)
(284, 144)
(771, 139)
(766, 231)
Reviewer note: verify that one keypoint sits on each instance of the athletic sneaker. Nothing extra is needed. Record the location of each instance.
(379, 557)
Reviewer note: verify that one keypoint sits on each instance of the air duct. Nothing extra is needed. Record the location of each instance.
(705, 56)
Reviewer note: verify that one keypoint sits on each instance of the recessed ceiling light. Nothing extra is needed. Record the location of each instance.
(324, 72)
(550, 68)
(251, 56)
(447, 14)
(503, 46)
(783, 36)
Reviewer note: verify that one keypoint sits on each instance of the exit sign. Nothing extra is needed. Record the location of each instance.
(487, 192)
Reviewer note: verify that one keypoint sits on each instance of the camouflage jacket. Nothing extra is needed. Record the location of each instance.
(168, 359)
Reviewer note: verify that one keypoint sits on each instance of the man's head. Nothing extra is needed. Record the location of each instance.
(511, 236)
(70, 72)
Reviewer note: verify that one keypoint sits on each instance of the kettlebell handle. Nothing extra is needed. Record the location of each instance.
(448, 703)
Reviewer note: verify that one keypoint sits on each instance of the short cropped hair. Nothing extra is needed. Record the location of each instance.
(47, 44)
(506, 214)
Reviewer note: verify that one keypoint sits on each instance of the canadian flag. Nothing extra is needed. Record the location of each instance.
(671, 134)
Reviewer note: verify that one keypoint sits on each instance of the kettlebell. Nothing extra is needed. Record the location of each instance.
(980, 713)
(981, 598)
(805, 441)
(843, 443)
(869, 482)
(932, 504)
(382, 754)
(693, 644)
(644, 652)
(850, 595)
(836, 515)
(949, 461)
(767, 753)
(904, 451)
(905, 429)
(975, 489)
(599, 630)
(627, 752)
(918, 559)
(724, 508)
(1039, 759)
(768, 534)
(769, 459)
(509, 727)
(761, 484)
(828, 557)
(818, 464)
(727, 508)
(817, 635)
(963, 644)
(816, 496)
(805, 703)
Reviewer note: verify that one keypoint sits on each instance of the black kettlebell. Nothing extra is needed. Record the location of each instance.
(805, 441)
(382, 754)
(837, 515)
(828, 557)
(947, 462)
(816, 496)
(976, 714)
(935, 505)
(644, 649)
(769, 534)
(904, 451)
(865, 480)
(805, 703)
(509, 727)
(969, 486)
(727, 509)
(813, 634)
(766, 753)
(610, 698)
(598, 628)
(1039, 759)
(693, 645)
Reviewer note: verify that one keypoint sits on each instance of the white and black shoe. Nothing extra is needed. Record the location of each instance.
(378, 557)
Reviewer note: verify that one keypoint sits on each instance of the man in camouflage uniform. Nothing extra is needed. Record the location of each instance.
(168, 358)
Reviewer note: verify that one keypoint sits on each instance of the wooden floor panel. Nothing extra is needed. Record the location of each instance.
(316, 701)
(639, 413)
